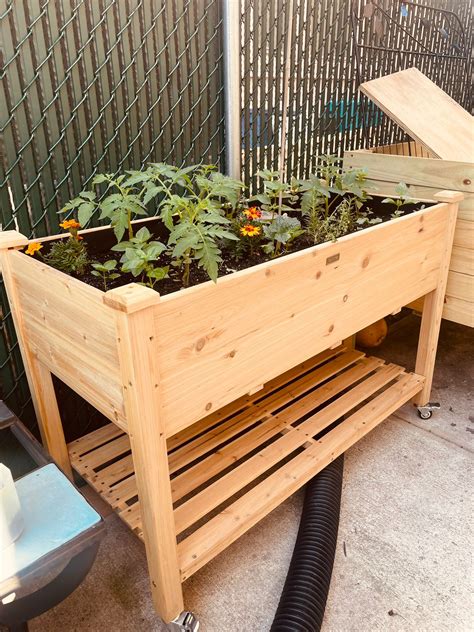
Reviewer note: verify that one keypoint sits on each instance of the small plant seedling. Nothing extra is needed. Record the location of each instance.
(275, 193)
(403, 198)
(106, 271)
(281, 231)
(140, 256)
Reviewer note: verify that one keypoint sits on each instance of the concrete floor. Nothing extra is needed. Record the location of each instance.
(403, 561)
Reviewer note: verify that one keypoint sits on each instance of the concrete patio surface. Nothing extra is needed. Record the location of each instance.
(403, 559)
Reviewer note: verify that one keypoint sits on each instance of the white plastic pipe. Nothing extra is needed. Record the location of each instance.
(11, 520)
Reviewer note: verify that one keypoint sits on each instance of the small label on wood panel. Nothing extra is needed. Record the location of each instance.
(332, 259)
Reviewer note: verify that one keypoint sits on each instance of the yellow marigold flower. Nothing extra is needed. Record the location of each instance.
(33, 248)
(250, 231)
(253, 213)
(70, 223)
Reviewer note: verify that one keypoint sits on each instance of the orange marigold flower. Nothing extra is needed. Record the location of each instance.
(33, 248)
(250, 231)
(253, 212)
(70, 223)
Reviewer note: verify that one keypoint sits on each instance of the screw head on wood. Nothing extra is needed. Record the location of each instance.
(466, 181)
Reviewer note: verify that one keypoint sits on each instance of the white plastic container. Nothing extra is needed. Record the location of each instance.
(11, 520)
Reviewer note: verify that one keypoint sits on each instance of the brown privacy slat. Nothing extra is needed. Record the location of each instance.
(425, 112)
(285, 418)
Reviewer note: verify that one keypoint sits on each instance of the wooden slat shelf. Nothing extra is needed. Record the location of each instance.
(233, 467)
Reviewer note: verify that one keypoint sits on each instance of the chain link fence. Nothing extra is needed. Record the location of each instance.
(303, 60)
(93, 86)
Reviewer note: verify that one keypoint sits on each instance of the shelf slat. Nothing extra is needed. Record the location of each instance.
(254, 453)
(208, 541)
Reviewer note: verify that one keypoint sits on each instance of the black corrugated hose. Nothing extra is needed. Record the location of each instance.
(304, 596)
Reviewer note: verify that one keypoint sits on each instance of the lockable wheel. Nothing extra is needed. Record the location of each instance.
(185, 622)
(425, 414)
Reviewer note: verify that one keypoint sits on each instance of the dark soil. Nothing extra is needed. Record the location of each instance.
(99, 244)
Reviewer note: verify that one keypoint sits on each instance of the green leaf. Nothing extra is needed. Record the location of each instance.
(153, 251)
(184, 244)
(101, 178)
(261, 197)
(135, 177)
(143, 234)
(152, 192)
(158, 273)
(85, 212)
(120, 224)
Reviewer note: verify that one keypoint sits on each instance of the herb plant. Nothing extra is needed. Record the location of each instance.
(281, 231)
(69, 255)
(332, 204)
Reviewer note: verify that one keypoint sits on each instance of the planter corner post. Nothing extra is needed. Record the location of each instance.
(38, 375)
(136, 308)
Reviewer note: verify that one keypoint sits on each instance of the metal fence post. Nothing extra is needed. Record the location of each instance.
(231, 47)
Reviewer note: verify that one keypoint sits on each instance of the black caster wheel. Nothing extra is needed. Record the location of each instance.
(425, 414)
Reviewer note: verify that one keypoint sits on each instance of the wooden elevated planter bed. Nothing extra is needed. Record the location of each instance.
(225, 398)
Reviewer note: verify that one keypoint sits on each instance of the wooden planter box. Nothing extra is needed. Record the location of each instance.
(425, 174)
(219, 395)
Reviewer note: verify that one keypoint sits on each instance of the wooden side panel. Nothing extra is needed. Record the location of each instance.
(407, 148)
(71, 331)
(459, 311)
(276, 315)
(464, 234)
(425, 178)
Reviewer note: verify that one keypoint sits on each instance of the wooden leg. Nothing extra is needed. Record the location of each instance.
(39, 381)
(427, 345)
(47, 414)
(141, 387)
(433, 308)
